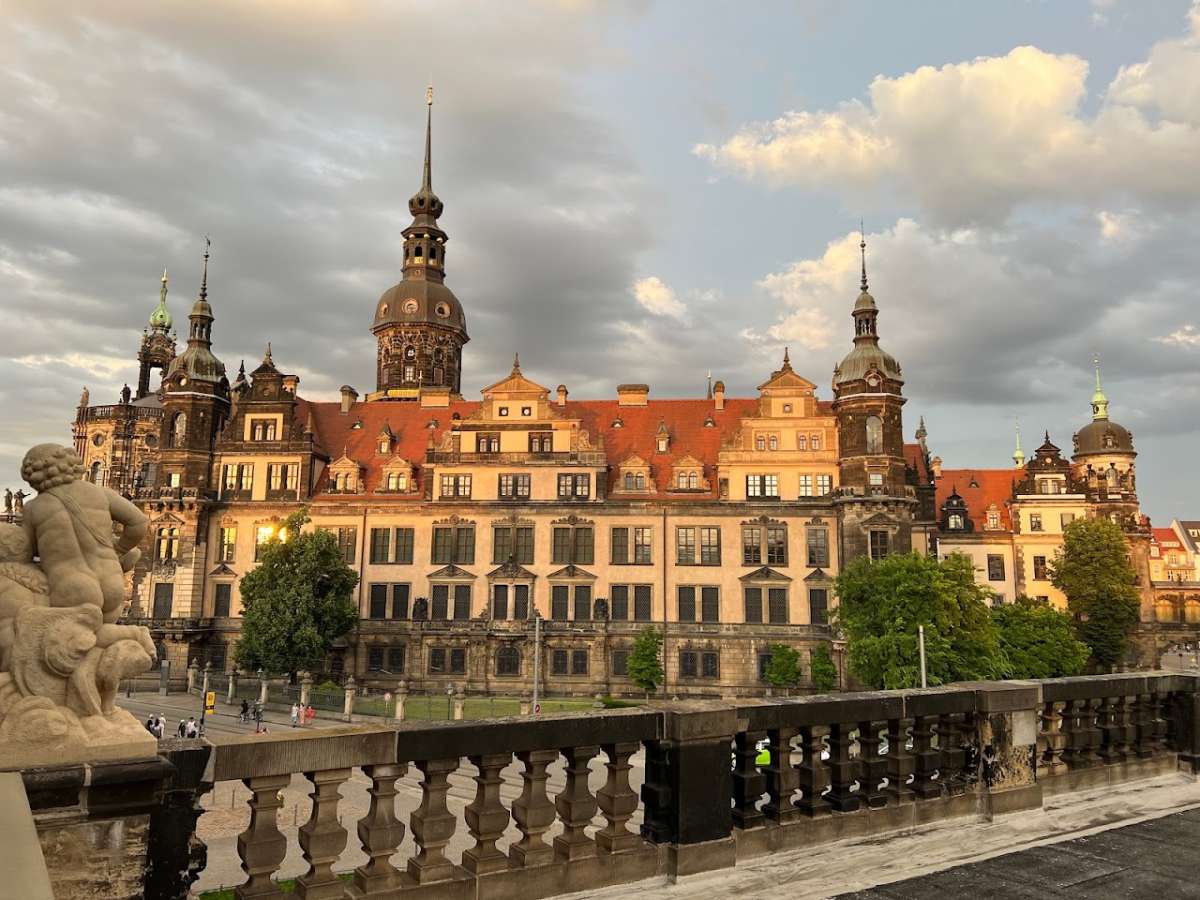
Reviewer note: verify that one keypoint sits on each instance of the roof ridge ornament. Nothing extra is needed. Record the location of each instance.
(204, 277)
(862, 249)
(1099, 399)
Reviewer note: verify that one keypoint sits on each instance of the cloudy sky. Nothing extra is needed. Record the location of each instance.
(634, 191)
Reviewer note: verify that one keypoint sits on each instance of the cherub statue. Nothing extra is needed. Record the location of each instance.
(62, 583)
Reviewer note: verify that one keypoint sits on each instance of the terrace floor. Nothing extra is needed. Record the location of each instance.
(1133, 840)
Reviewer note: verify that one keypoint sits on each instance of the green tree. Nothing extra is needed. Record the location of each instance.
(783, 671)
(881, 604)
(296, 602)
(1038, 640)
(824, 672)
(1094, 571)
(645, 660)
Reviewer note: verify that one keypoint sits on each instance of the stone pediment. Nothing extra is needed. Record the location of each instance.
(513, 571)
(765, 573)
(785, 380)
(687, 461)
(449, 572)
(345, 462)
(879, 520)
(633, 461)
(572, 571)
(222, 571)
(818, 575)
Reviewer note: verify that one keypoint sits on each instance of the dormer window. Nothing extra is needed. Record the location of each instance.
(663, 443)
(956, 522)
(384, 446)
(993, 519)
(262, 429)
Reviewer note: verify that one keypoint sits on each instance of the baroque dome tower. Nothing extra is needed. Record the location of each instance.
(419, 323)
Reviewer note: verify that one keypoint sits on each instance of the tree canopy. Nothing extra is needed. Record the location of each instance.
(881, 603)
(1038, 641)
(783, 671)
(645, 660)
(1094, 571)
(824, 673)
(296, 602)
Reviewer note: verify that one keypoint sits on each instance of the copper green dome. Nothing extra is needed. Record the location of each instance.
(161, 318)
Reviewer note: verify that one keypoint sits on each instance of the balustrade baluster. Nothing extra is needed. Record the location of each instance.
(432, 823)
(1090, 734)
(925, 783)
(782, 777)
(953, 763)
(617, 800)
(322, 837)
(900, 762)
(1126, 727)
(261, 847)
(533, 811)
(379, 831)
(842, 770)
(486, 816)
(1052, 740)
(1109, 731)
(813, 777)
(1144, 711)
(1159, 700)
(872, 765)
(1170, 732)
(576, 806)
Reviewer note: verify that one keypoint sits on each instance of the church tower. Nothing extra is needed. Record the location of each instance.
(877, 501)
(419, 323)
(158, 343)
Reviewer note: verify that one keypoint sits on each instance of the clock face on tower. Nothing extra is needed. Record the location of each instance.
(873, 379)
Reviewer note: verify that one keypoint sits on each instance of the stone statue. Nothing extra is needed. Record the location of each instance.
(8, 501)
(19, 502)
(62, 585)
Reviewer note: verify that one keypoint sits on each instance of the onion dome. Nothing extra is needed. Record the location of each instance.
(160, 319)
(1102, 435)
(867, 356)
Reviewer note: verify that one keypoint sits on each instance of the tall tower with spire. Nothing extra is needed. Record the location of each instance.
(419, 324)
(158, 343)
(878, 499)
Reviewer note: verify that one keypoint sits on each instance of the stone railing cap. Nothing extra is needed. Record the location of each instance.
(285, 752)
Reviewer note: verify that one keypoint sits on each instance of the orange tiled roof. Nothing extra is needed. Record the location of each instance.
(1165, 537)
(980, 488)
(915, 457)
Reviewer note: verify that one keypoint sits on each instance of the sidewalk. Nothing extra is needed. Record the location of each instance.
(176, 706)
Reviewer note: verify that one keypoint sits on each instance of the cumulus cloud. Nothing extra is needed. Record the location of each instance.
(1185, 336)
(971, 141)
(657, 298)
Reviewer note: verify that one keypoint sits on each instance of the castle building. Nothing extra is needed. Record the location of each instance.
(720, 520)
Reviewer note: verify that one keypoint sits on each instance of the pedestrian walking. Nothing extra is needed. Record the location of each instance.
(295, 714)
(160, 727)
(191, 730)
(310, 714)
(182, 729)
(151, 726)
(245, 713)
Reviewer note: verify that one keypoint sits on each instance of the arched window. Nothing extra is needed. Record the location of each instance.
(956, 522)
(681, 480)
(418, 252)
(874, 428)
(402, 481)
(432, 254)
(693, 480)
(1111, 478)
(640, 481)
(629, 481)
(393, 481)
(508, 661)
(97, 473)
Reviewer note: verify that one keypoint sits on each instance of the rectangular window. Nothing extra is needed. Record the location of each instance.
(619, 602)
(380, 545)
(231, 477)
(560, 552)
(246, 471)
(579, 662)
(764, 663)
(777, 605)
(753, 601)
(620, 663)
(687, 603)
(458, 660)
(710, 665)
(710, 546)
(1066, 519)
(347, 540)
(508, 660)
(574, 487)
(501, 544)
(221, 600)
(642, 543)
(437, 660)
(995, 567)
(487, 442)
(404, 546)
(292, 474)
(687, 664)
(457, 486)
(641, 603)
(818, 606)
(818, 546)
(1035, 522)
(378, 602)
(500, 602)
(541, 442)
(523, 545)
(751, 547)
(400, 595)
(514, 487)
(1039, 568)
(454, 545)
(167, 548)
(878, 544)
(441, 602)
(583, 546)
(520, 602)
(395, 659)
(164, 593)
(462, 602)
(776, 545)
(559, 660)
(228, 544)
(762, 486)
(619, 545)
(374, 659)
(275, 480)
(710, 604)
(560, 595)
(824, 484)
(806, 485)
(583, 602)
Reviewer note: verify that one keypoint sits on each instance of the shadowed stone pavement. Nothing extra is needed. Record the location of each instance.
(1155, 859)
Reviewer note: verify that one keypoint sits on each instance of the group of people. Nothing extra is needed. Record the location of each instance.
(253, 712)
(189, 728)
(302, 714)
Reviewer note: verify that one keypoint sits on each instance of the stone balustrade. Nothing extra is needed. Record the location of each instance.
(835, 766)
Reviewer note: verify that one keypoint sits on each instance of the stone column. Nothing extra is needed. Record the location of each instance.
(207, 676)
(232, 692)
(262, 688)
(526, 706)
(348, 708)
(401, 699)
(306, 683)
(460, 702)
(192, 671)
(1007, 721)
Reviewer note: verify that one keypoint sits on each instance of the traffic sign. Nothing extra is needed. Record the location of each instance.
(210, 702)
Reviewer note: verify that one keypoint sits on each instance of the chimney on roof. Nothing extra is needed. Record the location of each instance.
(562, 395)
(633, 394)
(290, 383)
(718, 393)
(349, 395)
(936, 465)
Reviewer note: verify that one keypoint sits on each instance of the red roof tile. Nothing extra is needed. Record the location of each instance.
(1165, 537)
(980, 488)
